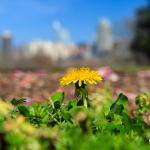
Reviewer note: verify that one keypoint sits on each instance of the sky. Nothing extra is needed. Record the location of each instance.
(29, 20)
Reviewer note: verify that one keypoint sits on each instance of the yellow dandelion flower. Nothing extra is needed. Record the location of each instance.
(81, 75)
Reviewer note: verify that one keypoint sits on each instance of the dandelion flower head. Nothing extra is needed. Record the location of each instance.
(80, 76)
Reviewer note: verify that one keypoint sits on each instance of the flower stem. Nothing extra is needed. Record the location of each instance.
(85, 102)
(81, 93)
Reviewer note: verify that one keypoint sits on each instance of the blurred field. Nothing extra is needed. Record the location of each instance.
(41, 84)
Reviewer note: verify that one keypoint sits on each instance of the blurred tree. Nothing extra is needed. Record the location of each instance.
(141, 42)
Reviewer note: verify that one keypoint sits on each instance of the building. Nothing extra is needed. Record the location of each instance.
(104, 39)
(6, 42)
(54, 51)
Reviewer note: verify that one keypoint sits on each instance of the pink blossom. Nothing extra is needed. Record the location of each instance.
(144, 74)
(108, 74)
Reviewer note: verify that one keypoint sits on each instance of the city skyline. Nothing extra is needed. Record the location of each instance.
(33, 19)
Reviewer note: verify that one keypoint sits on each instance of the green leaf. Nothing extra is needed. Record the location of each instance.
(16, 102)
(117, 107)
(2, 118)
(57, 105)
(66, 115)
(119, 104)
(23, 110)
(59, 96)
(71, 104)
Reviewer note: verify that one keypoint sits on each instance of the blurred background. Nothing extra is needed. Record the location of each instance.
(47, 36)
(45, 33)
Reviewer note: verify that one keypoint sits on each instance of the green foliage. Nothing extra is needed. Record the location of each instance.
(57, 99)
(16, 102)
(66, 125)
(142, 103)
(23, 110)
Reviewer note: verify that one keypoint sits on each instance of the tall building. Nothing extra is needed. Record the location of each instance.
(104, 40)
(6, 42)
(61, 34)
